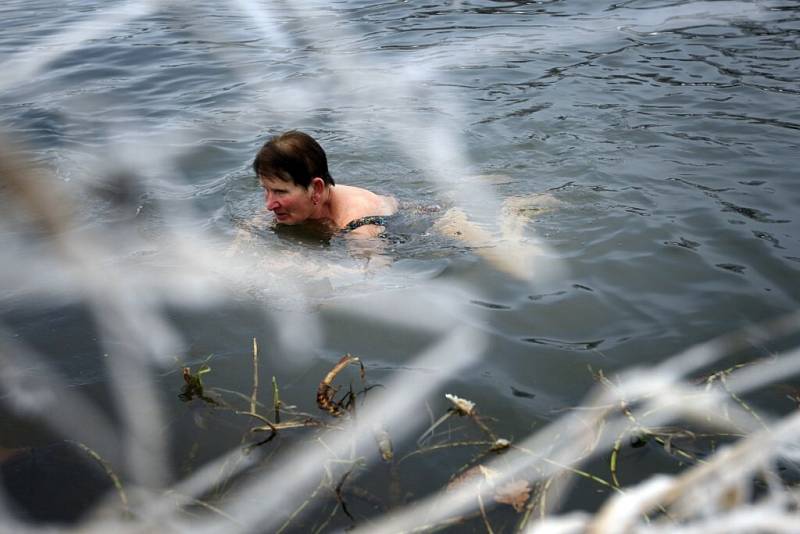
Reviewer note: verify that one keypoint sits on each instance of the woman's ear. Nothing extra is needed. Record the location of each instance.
(317, 188)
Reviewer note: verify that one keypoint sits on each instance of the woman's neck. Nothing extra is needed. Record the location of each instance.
(328, 207)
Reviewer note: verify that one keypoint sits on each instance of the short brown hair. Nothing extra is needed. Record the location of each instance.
(293, 156)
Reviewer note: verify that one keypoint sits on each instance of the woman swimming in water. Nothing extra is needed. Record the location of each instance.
(293, 170)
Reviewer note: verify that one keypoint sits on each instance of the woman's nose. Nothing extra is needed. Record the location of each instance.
(271, 202)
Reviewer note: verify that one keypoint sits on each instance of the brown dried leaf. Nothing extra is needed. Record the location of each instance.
(515, 493)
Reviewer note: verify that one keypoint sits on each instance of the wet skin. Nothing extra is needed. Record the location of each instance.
(289, 202)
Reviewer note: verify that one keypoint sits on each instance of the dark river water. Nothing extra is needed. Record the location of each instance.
(650, 148)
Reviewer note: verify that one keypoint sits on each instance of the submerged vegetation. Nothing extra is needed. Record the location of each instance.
(725, 457)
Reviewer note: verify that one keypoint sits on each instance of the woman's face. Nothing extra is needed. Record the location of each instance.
(290, 202)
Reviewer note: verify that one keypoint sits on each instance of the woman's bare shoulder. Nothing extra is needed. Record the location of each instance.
(363, 202)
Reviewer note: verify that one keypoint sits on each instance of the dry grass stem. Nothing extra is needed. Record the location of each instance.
(483, 514)
(254, 394)
(276, 400)
(123, 497)
(326, 392)
(183, 500)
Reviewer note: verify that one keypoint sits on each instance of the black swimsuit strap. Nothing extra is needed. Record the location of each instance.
(378, 220)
